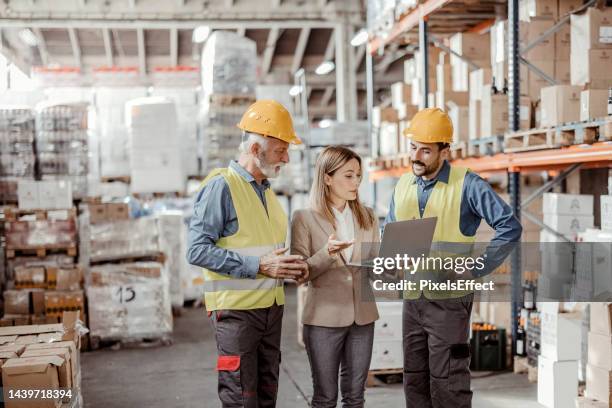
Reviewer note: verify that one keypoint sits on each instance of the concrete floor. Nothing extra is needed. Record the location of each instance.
(183, 375)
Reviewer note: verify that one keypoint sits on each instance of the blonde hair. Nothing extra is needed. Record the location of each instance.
(329, 161)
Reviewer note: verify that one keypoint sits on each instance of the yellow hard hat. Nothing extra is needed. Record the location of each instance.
(269, 118)
(430, 125)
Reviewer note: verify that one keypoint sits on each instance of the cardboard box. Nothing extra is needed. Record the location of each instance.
(64, 370)
(17, 302)
(598, 384)
(563, 43)
(535, 83)
(474, 119)
(57, 302)
(15, 348)
(591, 30)
(38, 302)
(30, 276)
(525, 113)
(386, 355)
(389, 326)
(97, 213)
(460, 117)
(557, 383)
(478, 79)
(592, 67)
(601, 318)
(560, 336)
(600, 350)
(67, 329)
(381, 115)
(606, 212)
(593, 104)
(546, 48)
(474, 46)
(27, 373)
(568, 6)
(568, 224)
(563, 71)
(494, 113)
(560, 104)
(27, 195)
(529, 9)
(69, 279)
(71, 347)
(568, 204)
(401, 93)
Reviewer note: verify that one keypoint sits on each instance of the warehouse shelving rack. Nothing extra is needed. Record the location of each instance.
(564, 160)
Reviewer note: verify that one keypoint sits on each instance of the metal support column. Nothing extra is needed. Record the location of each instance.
(374, 139)
(514, 177)
(424, 50)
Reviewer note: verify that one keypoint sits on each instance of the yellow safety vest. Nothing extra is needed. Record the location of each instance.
(444, 203)
(258, 234)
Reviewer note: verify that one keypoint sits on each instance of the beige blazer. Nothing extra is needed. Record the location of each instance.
(334, 295)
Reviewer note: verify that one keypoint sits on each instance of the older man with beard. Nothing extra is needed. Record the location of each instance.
(237, 234)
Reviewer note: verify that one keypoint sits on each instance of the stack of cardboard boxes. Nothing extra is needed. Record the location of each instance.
(560, 352)
(42, 357)
(599, 367)
(386, 125)
(583, 54)
(568, 214)
(42, 294)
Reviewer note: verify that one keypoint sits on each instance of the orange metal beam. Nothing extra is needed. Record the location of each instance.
(407, 22)
(597, 155)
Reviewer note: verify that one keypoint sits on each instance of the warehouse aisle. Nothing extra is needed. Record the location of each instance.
(183, 375)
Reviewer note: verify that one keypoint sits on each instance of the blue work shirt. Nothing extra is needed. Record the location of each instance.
(478, 202)
(214, 217)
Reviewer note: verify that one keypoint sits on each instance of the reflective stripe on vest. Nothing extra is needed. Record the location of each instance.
(445, 203)
(242, 284)
(259, 233)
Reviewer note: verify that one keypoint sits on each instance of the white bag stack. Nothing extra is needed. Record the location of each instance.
(186, 102)
(154, 146)
(111, 128)
(229, 68)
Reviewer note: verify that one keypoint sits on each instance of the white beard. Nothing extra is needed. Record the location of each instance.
(268, 170)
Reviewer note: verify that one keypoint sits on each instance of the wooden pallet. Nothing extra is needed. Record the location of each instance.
(122, 179)
(486, 146)
(577, 133)
(533, 139)
(14, 214)
(605, 129)
(41, 252)
(97, 342)
(377, 378)
(520, 365)
(229, 100)
(159, 258)
(532, 374)
(459, 151)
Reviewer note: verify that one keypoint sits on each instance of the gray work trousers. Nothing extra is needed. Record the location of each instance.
(347, 350)
(437, 352)
(248, 343)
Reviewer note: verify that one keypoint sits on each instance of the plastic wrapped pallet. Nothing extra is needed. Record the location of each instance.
(129, 301)
(16, 149)
(111, 129)
(173, 243)
(229, 65)
(154, 146)
(186, 101)
(62, 136)
(123, 239)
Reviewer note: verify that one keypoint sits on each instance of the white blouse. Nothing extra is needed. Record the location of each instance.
(345, 229)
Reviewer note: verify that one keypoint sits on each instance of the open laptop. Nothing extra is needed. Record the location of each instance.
(412, 237)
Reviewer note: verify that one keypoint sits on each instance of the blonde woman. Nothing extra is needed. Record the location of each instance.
(339, 310)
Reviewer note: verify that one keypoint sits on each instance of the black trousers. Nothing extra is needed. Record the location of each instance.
(437, 352)
(248, 343)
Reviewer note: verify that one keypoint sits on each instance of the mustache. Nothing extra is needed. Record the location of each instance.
(418, 162)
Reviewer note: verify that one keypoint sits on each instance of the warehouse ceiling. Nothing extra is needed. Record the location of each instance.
(153, 33)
